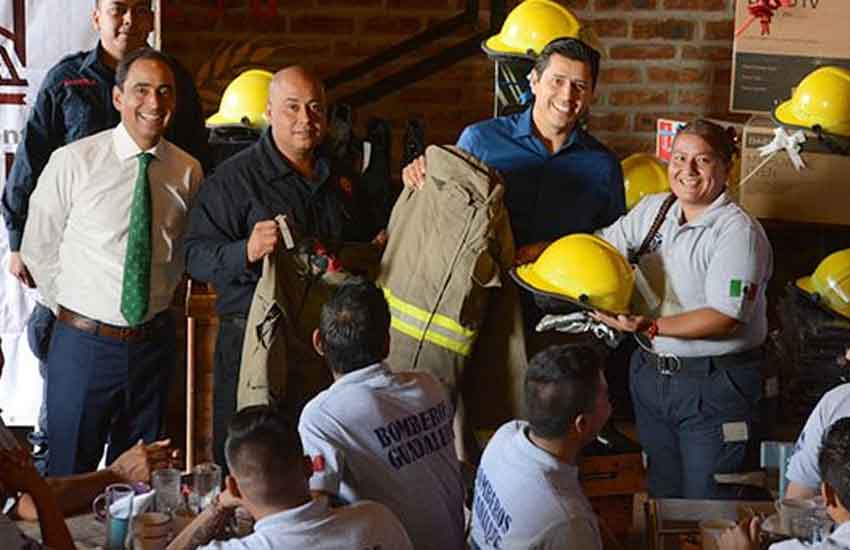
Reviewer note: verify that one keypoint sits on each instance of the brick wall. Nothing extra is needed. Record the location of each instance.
(663, 57)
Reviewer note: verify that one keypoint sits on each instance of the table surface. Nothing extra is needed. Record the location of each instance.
(86, 532)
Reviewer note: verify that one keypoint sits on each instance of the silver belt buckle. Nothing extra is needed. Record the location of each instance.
(667, 364)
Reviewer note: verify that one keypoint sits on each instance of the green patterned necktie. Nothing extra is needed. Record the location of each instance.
(136, 285)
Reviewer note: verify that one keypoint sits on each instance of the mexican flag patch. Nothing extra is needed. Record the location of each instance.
(740, 289)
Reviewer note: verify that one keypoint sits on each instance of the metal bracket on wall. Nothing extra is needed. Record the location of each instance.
(425, 67)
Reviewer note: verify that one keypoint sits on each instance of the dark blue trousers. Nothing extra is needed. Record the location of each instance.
(39, 330)
(104, 390)
(227, 361)
(702, 420)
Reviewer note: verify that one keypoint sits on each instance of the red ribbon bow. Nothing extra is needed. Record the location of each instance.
(763, 11)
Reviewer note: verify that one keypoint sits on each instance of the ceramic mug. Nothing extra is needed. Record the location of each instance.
(115, 508)
(152, 530)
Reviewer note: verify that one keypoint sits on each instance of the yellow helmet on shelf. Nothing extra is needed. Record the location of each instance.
(643, 174)
(244, 101)
(583, 269)
(821, 99)
(533, 24)
(830, 283)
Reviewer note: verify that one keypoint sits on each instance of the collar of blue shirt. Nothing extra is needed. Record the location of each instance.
(524, 128)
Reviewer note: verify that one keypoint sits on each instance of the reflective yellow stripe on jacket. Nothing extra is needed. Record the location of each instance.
(420, 324)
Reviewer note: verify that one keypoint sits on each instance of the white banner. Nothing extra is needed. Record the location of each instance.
(34, 35)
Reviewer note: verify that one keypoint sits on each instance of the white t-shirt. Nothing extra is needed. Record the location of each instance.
(803, 465)
(361, 526)
(722, 260)
(526, 498)
(388, 437)
(838, 540)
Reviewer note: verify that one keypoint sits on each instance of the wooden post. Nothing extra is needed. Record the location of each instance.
(190, 380)
(157, 24)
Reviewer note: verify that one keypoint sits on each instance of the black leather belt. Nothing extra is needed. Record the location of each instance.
(668, 364)
(137, 333)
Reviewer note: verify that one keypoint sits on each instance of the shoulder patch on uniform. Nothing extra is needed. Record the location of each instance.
(79, 82)
(319, 463)
(743, 289)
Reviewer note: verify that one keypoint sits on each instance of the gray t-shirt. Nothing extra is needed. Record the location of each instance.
(362, 526)
(838, 540)
(803, 465)
(723, 260)
(388, 437)
(526, 498)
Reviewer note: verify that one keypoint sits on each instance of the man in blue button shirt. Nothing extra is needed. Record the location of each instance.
(559, 179)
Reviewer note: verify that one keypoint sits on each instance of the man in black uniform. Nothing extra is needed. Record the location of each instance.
(75, 101)
(232, 227)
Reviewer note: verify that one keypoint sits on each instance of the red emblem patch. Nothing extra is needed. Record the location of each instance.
(318, 463)
(79, 82)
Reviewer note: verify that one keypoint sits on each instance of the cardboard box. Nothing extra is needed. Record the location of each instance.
(667, 128)
(816, 194)
(665, 131)
(803, 37)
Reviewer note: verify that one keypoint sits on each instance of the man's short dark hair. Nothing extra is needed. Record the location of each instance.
(124, 65)
(561, 383)
(264, 450)
(834, 459)
(353, 326)
(571, 48)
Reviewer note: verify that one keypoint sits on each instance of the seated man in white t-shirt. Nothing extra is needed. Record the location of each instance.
(802, 471)
(833, 459)
(375, 434)
(527, 493)
(268, 477)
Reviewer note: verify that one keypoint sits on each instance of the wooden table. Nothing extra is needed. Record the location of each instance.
(86, 532)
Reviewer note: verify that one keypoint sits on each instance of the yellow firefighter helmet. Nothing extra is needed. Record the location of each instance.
(244, 101)
(643, 174)
(830, 282)
(583, 269)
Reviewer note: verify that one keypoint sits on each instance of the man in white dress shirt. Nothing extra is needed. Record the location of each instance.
(103, 242)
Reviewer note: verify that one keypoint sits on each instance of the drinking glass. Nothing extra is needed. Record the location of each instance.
(166, 483)
(206, 485)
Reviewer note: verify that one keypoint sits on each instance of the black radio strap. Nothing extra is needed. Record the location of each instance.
(653, 229)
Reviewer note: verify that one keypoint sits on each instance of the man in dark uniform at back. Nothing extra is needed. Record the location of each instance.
(232, 226)
(75, 101)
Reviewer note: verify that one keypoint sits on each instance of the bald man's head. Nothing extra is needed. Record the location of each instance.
(297, 112)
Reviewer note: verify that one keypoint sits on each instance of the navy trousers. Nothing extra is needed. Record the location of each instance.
(699, 421)
(226, 364)
(39, 330)
(104, 390)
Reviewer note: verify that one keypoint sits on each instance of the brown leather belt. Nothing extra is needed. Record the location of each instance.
(122, 334)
